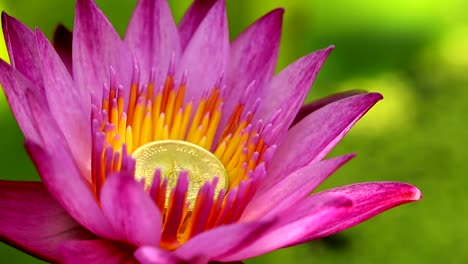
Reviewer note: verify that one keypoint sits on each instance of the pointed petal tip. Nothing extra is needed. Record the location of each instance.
(321, 53)
(418, 195)
(322, 102)
(325, 52)
(350, 156)
(83, 2)
(413, 194)
(395, 192)
(367, 98)
(39, 33)
(4, 15)
(5, 27)
(41, 40)
(278, 11)
(85, 6)
(274, 18)
(276, 14)
(376, 96)
(220, 5)
(4, 23)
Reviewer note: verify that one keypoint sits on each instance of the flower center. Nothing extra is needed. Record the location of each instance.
(199, 167)
(174, 156)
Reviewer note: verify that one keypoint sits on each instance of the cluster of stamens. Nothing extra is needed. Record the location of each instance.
(124, 121)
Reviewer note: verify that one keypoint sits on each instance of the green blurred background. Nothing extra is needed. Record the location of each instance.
(414, 52)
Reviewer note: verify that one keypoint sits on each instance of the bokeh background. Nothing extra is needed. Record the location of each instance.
(414, 52)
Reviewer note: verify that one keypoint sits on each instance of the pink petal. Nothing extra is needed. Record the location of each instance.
(153, 37)
(316, 135)
(253, 58)
(17, 90)
(96, 252)
(131, 212)
(206, 57)
(291, 189)
(212, 244)
(154, 255)
(307, 109)
(22, 48)
(96, 48)
(71, 114)
(293, 224)
(369, 199)
(59, 174)
(288, 89)
(192, 19)
(33, 221)
(63, 41)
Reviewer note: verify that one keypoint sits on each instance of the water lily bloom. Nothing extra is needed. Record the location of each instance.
(174, 145)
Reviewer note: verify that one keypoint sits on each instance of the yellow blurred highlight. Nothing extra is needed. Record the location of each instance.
(445, 60)
(453, 49)
(394, 112)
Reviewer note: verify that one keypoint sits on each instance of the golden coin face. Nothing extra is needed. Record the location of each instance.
(174, 156)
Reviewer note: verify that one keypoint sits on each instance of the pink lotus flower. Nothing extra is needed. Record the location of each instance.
(86, 103)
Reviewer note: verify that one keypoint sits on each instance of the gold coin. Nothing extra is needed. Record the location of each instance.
(174, 156)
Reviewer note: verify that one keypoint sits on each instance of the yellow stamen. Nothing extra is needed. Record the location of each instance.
(132, 101)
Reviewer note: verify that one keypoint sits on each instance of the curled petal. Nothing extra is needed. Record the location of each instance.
(96, 252)
(307, 109)
(32, 220)
(369, 199)
(316, 135)
(131, 212)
